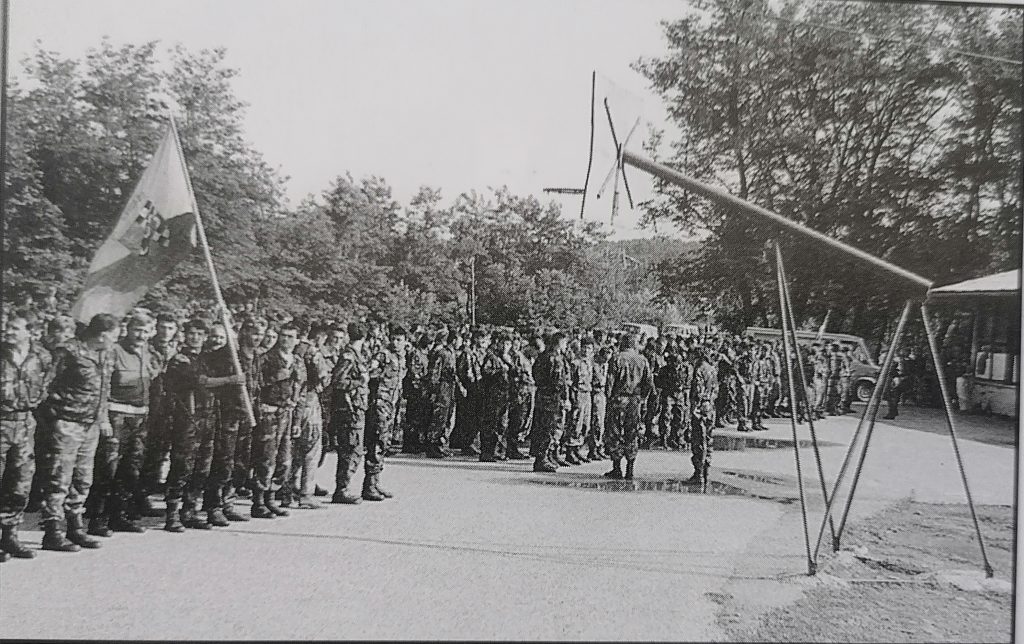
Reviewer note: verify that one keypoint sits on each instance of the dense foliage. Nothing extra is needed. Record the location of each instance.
(81, 132)
(861, 120)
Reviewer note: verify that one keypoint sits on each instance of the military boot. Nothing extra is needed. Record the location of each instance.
(53, 538)
(76, 532)
(231, 514)
(216, 518)
(121, 522)
(10, 544)
(171, 521)
(268, 500)
(190, 519)
(259, 507)
(555, 456)
(385, 493)
(616, 471)
(144, 507)
(697, 478)
(98, 526)
(370, 492)
(4, 556)
(629, 469)
(541, 464)
(319, 491)
(342, 481)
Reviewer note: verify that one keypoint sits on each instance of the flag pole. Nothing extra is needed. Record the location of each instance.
(225, 319)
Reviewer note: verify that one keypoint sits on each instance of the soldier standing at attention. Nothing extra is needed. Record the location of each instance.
(520, 414)
(598, 406)
(746, 378)
(24, 378)
(846, 380)
(350, 383)
(282, 382)
(384, 392)
(496, 390)
(470, 407)
(417, 396)
(163, 345)
(675, 409)
(581, 400)
(552, 378)
(76, 413)
(704, 394)
(182, 396)
(444, 388)
(630, 382)
(835, 381)
(119, 454)
(307, 422)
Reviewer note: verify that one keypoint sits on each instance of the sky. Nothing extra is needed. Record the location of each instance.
(455, 94)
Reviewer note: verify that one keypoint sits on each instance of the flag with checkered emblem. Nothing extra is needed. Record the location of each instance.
(155, 231)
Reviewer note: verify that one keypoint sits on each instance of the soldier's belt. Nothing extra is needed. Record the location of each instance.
(125, 408)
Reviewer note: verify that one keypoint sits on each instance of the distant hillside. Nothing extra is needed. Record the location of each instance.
(648, 252)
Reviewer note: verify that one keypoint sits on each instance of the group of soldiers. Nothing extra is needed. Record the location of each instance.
(98, 419)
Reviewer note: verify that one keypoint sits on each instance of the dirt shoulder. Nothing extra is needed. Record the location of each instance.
(903, 580)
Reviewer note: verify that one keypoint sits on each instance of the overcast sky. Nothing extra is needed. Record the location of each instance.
(456, 94)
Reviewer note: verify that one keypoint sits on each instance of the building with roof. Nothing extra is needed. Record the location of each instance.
(991, 382)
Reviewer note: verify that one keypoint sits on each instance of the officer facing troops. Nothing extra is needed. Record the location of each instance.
(76, 414)
(385, 389)
(630, 382)
(24, 378)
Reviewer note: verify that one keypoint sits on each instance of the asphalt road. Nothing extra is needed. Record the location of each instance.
(470, 550)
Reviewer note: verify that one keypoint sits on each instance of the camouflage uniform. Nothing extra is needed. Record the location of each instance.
(630, 382)
(252, 366)
(520, 415)
(76, 413)
(581, 398)
(307, 421)
(552, 378)
(835, 383)
(496, 388)
(22, 388)
(728, 388)
(703, 394)
(350, 398)
(384, 393)
(119, 454)
(598, 407)
(182, 397)
(443, 385)
(651, 406)
(283, 379)
(470, 407)
(765, 377)
(676, 376)
(417, 397)
(159, 428)
(846, 382)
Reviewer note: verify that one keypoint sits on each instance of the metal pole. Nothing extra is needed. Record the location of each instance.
(722, 197)
(947, 407)
(590, 153)
(811, 568)
(876, 393)
(4, 45)
(890, 359)
(225, 319)
(803, 385)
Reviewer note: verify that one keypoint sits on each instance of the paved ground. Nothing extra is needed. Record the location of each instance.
(493, 551)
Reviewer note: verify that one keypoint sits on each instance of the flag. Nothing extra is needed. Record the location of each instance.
(155, 231)
(824, 324)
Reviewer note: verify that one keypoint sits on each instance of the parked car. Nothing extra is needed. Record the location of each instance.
(865, 370)
(683, 330)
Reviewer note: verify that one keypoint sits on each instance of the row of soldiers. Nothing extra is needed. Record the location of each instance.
(100, 414)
